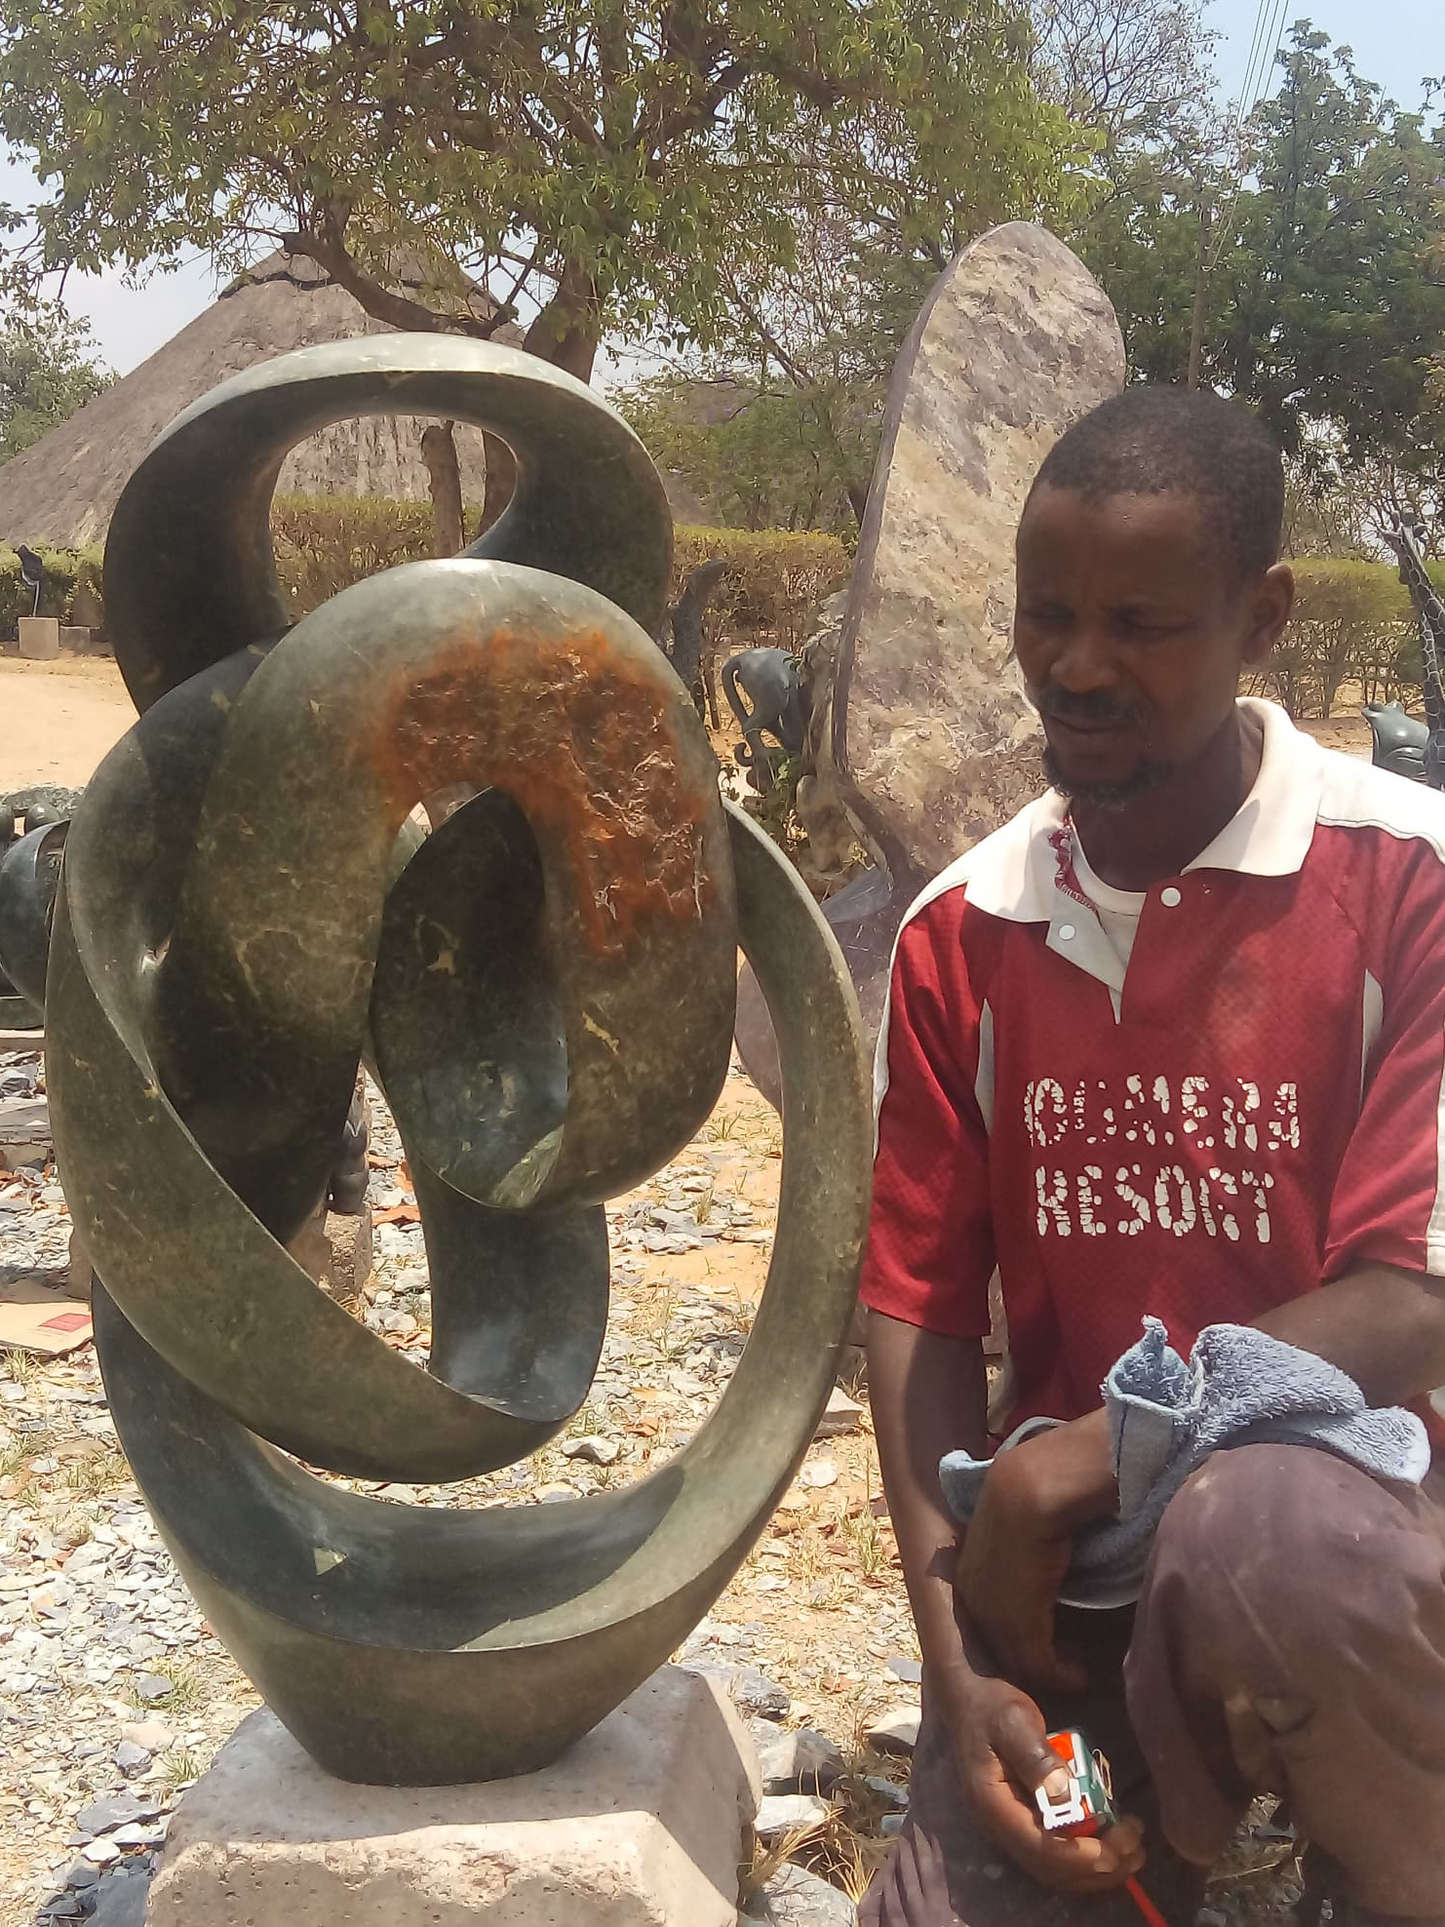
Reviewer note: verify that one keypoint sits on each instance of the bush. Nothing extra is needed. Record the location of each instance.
(324, 543)
(1353, 623)
(775, 581)
(66, 571)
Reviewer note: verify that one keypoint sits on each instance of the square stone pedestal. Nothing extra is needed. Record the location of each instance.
(642, 1824)
(39, 638)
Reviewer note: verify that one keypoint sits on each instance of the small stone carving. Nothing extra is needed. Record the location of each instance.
(771, 680)
(29, 877)
(681, 634)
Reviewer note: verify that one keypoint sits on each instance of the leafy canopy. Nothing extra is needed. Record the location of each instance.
(48, 369)
(589, 163)
(1325, 259)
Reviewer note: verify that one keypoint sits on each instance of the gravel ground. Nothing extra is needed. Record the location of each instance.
(114, 1695)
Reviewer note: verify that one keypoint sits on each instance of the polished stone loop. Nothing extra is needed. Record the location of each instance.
(544, 990)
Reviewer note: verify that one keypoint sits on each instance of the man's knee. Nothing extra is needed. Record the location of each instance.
(1285, 1534)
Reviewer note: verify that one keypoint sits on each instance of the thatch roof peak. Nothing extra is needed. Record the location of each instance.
(61, 492)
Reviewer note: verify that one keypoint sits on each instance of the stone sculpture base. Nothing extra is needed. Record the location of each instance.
(643, 1824)
(39, 638)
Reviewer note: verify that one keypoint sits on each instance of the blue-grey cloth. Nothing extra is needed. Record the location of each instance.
(1240, 1387)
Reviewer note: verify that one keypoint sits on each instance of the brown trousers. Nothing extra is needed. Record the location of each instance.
(1290, 1639)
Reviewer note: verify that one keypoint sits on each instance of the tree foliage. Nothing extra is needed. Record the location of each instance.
(803, 367)
(584, 163)
(1353, 626)
(48, 369)
(1136, 72)
(1322, 242)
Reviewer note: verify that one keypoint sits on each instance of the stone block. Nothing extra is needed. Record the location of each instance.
(803, 1761)
(25, 1138)
(336, 1250)
(39, 638)
(793, 1897)
(895, 1731)
(642, 1824)
(780, 1814)
(74, 639)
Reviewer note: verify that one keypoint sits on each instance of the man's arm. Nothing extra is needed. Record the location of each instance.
(1383, 1325)
(929, 1397)
(925, 1280)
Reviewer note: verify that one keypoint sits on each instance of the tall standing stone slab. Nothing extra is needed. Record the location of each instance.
(928, 742)
(933, 738)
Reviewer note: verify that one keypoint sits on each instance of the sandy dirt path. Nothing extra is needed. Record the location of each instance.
(58, 719)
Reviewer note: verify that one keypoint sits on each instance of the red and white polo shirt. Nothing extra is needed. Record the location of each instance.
(1251, 1105)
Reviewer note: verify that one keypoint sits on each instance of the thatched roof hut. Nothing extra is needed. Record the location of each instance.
(61, 492)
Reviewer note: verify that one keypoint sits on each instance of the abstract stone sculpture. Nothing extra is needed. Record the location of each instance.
(29, 877)
(545, 989)
(681, 633)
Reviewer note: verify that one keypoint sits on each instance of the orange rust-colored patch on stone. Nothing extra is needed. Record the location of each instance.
(580, 739)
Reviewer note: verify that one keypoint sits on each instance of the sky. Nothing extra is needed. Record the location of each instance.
(1395, 42)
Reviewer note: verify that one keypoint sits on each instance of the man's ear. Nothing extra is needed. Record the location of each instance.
(1269, 612)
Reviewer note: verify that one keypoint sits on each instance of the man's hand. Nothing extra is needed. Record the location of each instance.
(1020, 1543)
(1003, 1756)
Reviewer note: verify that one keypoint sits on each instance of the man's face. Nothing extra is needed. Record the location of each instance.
(1131, 629)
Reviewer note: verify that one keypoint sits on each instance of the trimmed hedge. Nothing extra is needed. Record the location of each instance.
(1353, 624)
(1353, 628)
(66, 571)
(324, 543)
(775, 581)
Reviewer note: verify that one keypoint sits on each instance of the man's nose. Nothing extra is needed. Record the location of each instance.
(1085, 660)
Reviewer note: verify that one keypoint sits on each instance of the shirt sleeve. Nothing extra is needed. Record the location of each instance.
(930, 1252)
(1388, 1204)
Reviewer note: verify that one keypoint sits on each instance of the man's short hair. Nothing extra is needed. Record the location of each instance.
(1164, 441)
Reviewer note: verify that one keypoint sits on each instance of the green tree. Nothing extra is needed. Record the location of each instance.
(785, 425)
(1136, 72)
(1325, 291)
(778, 426)
(587, 163)
(48, 369)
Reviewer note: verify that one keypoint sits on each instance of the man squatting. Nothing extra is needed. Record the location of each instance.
(1172, 1041)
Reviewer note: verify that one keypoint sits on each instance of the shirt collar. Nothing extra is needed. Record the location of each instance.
(1270, 833)
(1024, 871)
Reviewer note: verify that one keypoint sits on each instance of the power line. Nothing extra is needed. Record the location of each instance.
(1254, 42)
(1252, 90)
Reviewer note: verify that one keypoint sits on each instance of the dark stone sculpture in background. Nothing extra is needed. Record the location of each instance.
(771, 680)
(545, 987)
(1430, 612)
(680, 634)
(1398, 740)
(32, 574)
(32, 835)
